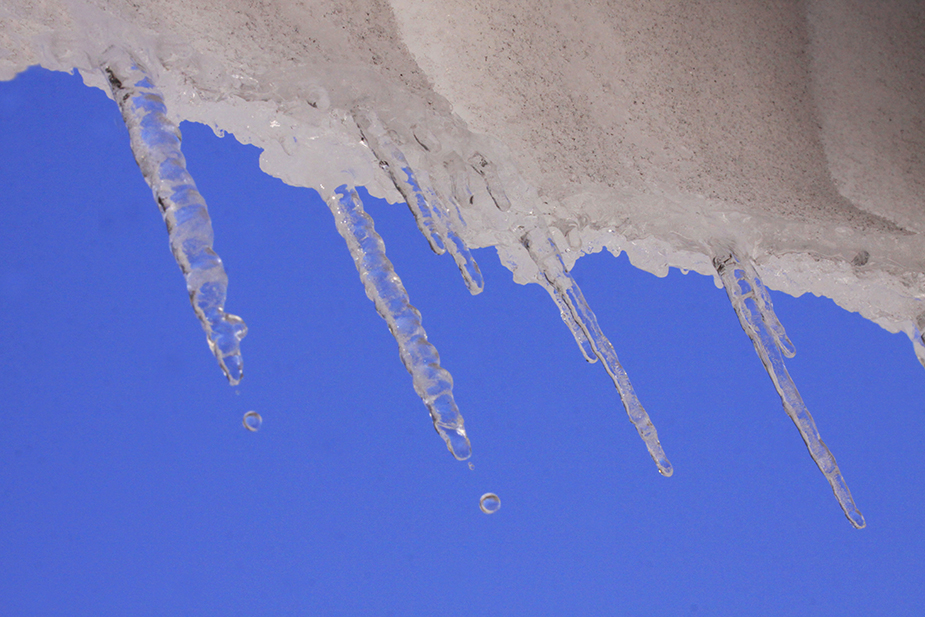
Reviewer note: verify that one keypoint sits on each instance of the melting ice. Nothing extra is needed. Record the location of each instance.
(655, 144)
(155, 141)
(752, 304)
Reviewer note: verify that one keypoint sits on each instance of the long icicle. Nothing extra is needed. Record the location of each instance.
(565, 291)
(432, 383)
(752, 304)
(155, 142)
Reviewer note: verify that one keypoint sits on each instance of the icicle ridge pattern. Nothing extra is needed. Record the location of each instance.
(432, 383)
(155, 142)
(581, 320)
(752, 304)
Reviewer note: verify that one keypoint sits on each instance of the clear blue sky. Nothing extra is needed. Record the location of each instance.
(128, 485)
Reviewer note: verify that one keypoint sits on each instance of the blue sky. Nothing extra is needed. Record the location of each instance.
(128, 485)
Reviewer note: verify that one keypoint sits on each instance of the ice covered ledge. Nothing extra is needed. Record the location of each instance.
(794, 130)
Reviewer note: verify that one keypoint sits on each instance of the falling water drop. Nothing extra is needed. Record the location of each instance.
(489, 503)
(252, 421)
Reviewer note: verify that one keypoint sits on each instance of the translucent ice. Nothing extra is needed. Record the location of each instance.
(434, 219)
(433, 383)
(646, 128)
(583, 324)
(155, 141)
(753, 306)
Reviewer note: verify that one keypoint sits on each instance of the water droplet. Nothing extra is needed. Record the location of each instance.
(471, 465)
(252, 421)
(489, 503)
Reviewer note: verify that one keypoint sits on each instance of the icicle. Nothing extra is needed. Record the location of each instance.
(382, 148)
(752, 304)
(566, 314)
(918, 346)
(431, 382)
(431, 215)
(565, 291)
(918, 339)
(155, 141)
(489, 172)
(471, 273)
(763, 304)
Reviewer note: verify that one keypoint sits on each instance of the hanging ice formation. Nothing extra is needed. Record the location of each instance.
(155, 142)
(651, 130)
(437, 216)
(580, 319)
(752, 304)
(432, 383)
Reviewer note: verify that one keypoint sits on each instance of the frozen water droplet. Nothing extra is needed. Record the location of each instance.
(489, 503)
(252, 421)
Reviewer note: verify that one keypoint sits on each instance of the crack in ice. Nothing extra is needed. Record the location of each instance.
(489, 173)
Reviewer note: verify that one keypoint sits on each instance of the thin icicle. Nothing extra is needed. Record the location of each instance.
(918, 339)
(155, 141)
(431, 215)
(566, 314)
(765, 308)
(750, 300)
(471, 273)
(565, 291)
(432, 383)
(382, 147)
